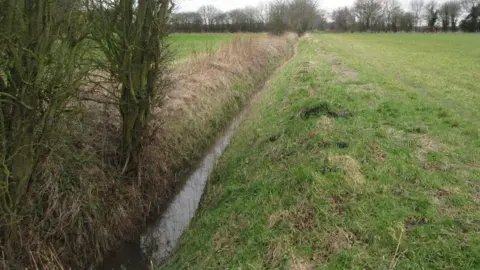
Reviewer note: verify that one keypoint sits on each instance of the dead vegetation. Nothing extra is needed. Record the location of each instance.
(79, 211)
(352, 169)
(298, 263)
(339, 240)
(426, 145)
(280, 249)
(301, 217)
(326, 123)
(377, 152)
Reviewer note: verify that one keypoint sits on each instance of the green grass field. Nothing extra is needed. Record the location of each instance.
(188, 45)
(363, 152)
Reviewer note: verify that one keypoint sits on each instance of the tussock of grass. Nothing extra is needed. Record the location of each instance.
(351, 167)
(395, 185)
(83, 207)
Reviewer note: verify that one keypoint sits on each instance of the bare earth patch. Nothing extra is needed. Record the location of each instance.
(352, 169)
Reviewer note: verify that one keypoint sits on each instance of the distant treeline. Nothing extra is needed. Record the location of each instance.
(388, 15)
(279, 16)
(364, 15)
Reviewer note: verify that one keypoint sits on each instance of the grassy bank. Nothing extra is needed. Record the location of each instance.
(362, 153)
(85, 207)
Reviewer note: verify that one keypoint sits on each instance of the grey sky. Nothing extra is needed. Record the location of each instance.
(226, 5)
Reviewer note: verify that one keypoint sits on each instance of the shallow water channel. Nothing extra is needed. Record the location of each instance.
(160, 239)
(155, 245)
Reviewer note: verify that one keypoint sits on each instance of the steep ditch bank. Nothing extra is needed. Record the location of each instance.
(159, 239)
(207, 93)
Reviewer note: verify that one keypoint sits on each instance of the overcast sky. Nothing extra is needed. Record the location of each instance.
(226, 5)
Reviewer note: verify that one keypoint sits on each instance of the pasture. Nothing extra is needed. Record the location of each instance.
(185, 46)
(361, 153)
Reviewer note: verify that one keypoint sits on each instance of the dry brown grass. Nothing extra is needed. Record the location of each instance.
(297, 263)
(225, 242)
(81, 208)
(427, 144)
(377, 152)
(351, 167)
(280, 249)
(326, 123)
(301, 217)
(339, 240)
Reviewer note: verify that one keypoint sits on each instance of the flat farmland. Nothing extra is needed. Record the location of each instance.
(185, 46)
(362, 152)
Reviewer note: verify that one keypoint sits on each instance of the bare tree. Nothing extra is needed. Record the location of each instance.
(186, 22)
(343, 19)
(132, 36)
(263, 12)
(471, 23)
(238, 20)
(252, 19)
(431, 14)
(407, 22)
(39, 76)
(277, 17)
(454, 9)
(467, 5)
(391, 13)
(302, 15)
(208, 13)
(368, 12)
(416, 6)
(444, 15)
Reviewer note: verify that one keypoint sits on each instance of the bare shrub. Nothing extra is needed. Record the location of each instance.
(132, 37)
(40, 70)
(293, 15)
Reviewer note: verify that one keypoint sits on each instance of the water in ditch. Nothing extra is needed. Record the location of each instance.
(160, 239)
